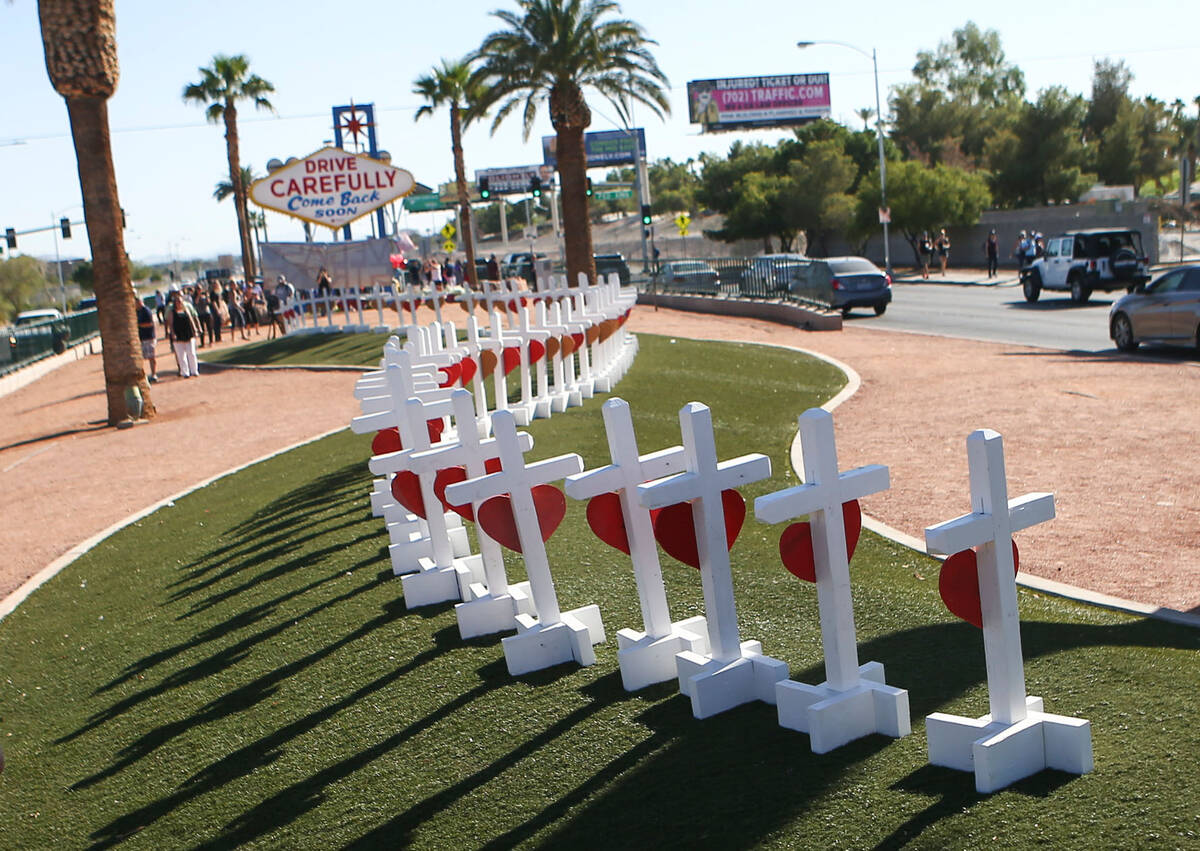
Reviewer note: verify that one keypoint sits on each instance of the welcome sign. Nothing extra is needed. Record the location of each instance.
(331, 187)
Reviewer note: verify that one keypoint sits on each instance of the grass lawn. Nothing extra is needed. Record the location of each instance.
(240, 669)
(305, 349)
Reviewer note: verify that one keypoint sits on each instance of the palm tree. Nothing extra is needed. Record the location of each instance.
(550, 51)
(865, 113)
(222, 84)
(80, 41)
(451, 85)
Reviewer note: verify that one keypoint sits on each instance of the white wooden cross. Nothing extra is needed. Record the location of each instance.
(853, 701)
(645, 657)
(554, 636)
(733, 673)
(489, 607)
(1016, 739)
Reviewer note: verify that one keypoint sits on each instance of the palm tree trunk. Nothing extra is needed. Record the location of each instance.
(239, 191)
(115, 302)
(577, 226)
(464, 202)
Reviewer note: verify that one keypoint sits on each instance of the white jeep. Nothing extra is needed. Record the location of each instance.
(1083, 261)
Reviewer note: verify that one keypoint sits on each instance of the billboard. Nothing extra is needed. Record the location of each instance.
(331, 187)
(605, 147)
(512, 180)
(737, 102)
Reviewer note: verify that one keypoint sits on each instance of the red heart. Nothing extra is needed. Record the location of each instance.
(452, 475)
(387, 440)
(512, 306)
(958, 584)
(467, 369)
(406, 488)
(496, 516)
(578, 338)
(512, 358)
(796, 547)
(536, 351)
(435, 429)
(605, 517)
(675, 529)
(452, 373)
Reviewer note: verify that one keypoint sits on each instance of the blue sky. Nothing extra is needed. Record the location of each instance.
(168, 159)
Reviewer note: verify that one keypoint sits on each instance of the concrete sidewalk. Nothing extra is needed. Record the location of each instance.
(964, 277)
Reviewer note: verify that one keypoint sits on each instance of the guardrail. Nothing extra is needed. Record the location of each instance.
(740, 277)
(26, 344)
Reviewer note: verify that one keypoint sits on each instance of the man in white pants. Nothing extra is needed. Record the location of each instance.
(183, 327)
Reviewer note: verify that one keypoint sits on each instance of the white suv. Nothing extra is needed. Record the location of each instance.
(1084, 261)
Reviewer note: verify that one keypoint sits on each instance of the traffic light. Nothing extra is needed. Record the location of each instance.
(535, 187)
(10, 237)
(65, 224)
(646, 214)
(588, 191)
(485, 191)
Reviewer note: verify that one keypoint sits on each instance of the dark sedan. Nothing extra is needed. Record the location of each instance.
(844, 283)
(1166, 310)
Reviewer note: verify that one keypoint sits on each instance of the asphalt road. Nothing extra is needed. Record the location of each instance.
(996, 314)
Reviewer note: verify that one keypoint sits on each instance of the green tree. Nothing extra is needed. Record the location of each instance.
(452, 86)
(964, 93)
(759, 211)
(83, 276)
(818, 200)
(222, 85)
(20, 278)
(80, 42)
(551, 51)
(924, 198)
(673, 186)
(1042, 158)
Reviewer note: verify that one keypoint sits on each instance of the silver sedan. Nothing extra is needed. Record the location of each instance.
(1166, 310)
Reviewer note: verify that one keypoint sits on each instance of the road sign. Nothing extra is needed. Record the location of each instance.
(448, 231)
(885, 215)
(682, 221)
(531, 232)
(612, 194)
(423, 203)
(448, 246)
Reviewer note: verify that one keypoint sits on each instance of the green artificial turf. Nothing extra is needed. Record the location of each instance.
(304, 350)
(239, 669)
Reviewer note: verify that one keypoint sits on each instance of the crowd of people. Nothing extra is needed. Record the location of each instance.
(195, 315)
(928, 247)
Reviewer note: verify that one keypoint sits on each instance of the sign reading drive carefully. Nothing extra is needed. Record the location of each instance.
(331, 187)
(735, 102)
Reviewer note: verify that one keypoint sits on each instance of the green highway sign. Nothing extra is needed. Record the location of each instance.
(423, 203)
(612, 194)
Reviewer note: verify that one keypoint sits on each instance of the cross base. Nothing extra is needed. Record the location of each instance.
(716, 685)
(431, 584)
(586, 387)
(381, 495)
(833, 718)
(537, 646)
(559, 401)
(646, 660)
(487, 614)
(1001, 754)
(523, 412)
(412, 546)
(603, 384)
(542, 408)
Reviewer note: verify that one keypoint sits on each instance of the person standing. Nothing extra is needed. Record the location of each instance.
(925, 249)
(493, 269)
(991, 248)
(183, 327)
(147, 337)
(943, 250)
(218, 312)
(203, 313)
(324, 288)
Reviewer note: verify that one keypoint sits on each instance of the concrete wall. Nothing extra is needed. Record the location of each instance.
(772, 311)
(966, 243)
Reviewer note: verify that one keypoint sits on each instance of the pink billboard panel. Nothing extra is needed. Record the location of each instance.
(738, 102)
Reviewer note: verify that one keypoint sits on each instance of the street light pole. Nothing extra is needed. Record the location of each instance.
(887, 246)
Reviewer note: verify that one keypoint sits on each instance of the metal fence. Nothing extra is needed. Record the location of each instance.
(781, 278)
(29, 343)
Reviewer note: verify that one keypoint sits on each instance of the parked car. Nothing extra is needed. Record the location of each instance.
(1167, 310)
(689, 276)
(521, 265)
(88, 303)
(1084, 261)
(771, 273)
(606, 264)
(33, 317)
(844, 283)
